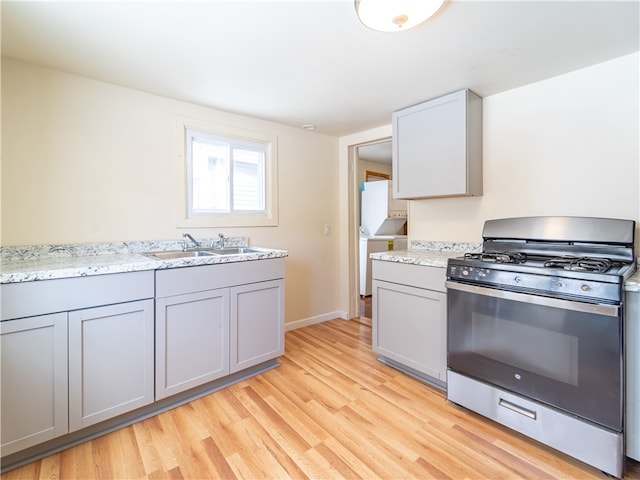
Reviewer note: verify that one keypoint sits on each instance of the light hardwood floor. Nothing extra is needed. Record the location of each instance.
(331, 410)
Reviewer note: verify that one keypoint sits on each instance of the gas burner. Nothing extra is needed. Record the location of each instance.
(497, 257)
(580, 264)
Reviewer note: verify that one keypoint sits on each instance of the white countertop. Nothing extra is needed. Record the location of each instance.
(26, 264)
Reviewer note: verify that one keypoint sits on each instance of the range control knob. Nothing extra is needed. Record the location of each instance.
(585, 288)
(517, 279)
(465, 272)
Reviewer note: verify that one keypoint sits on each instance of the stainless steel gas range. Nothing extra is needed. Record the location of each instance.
(535, 331)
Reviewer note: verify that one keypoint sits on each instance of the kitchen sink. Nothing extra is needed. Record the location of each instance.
(234, 251)
(209, 252)
(169, 255)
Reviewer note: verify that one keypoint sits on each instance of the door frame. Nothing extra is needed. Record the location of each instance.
(351, 144)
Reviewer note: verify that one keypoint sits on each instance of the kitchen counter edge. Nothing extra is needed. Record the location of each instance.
(427, 253)
(52, 268)
(437, 256)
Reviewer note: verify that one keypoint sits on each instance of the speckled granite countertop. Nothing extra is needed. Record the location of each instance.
(429, 254)
(32, 263)
(436, 254)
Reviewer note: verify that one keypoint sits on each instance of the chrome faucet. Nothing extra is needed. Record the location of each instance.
(195, 242)
(220, 241)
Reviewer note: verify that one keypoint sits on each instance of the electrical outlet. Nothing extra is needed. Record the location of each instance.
(327, 229)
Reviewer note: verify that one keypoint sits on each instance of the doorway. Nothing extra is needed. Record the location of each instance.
(372, 161)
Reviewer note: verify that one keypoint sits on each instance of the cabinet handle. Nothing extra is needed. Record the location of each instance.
(517, 408)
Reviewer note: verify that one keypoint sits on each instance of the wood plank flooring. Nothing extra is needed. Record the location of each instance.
(331, 410)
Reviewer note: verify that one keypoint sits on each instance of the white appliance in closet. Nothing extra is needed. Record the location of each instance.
(382, 221)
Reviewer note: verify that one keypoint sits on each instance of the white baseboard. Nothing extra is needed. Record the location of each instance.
(305, 322)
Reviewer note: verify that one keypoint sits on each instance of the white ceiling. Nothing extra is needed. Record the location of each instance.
(380, 152)
(301, 61)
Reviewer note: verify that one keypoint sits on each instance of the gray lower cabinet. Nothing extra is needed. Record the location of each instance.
(409, 318)
(34, 380)
(632, 346)
(213, 320)
(79, 351)
(257, 323)
(75, 351)
(192, 332)
(111, 361)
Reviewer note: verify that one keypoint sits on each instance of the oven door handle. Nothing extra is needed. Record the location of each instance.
(597, 309)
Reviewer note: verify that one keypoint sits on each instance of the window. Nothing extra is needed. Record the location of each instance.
(230, 177)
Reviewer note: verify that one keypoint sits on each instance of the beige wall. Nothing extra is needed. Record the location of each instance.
(85, 161)
(565, 146)
(365, 166)
(568, 145)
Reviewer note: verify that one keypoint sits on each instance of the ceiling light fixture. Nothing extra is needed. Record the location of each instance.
(309, 126)
(395, 15)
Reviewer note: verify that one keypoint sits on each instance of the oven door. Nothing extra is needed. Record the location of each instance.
(563, 353)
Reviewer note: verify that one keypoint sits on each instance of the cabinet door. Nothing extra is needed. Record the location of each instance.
(34, 380)
(437, 147)
(409, 326)
(192, 340)
(257, 323)
(110, 361)
(632, 346)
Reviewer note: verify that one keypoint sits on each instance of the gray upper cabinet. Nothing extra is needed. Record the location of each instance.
(437, 147)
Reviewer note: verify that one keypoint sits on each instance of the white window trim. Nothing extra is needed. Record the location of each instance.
(267, 219)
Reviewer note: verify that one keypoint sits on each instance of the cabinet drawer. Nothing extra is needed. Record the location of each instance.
(180, 281)
(419, 276)
(547, 425)
(28, 299)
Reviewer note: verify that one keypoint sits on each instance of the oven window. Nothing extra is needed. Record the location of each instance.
(567, 359)
(538, 350)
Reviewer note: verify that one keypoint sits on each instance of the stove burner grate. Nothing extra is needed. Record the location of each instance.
(497, 257)
(580, 264)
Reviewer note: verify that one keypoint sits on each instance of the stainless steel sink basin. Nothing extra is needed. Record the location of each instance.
(168, 255)
(234, 251)
(209, 252)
